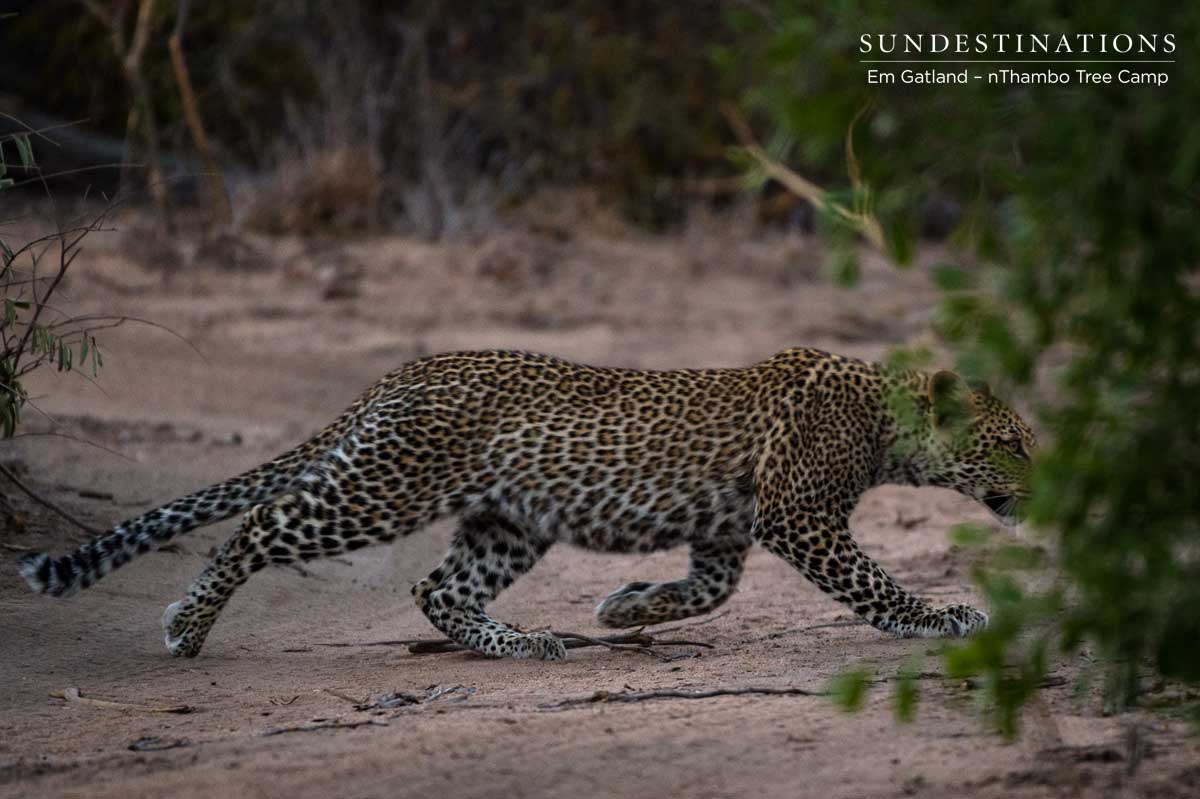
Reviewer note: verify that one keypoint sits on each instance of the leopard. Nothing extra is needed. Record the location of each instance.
(526, 450)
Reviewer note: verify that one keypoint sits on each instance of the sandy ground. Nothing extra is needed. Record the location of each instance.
(283, 358)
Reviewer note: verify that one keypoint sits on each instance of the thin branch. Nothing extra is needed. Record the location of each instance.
(91, 381)
(73, 695)
(221, 213)
(4, 470)
(77, 440)
(864, 223)
(333, 725)
(638, 641)
(29, 401)
(64, 262)
(345, 697)
(686, 625)
(39, 132)
(625, 697)
(141, 35)
(78, 170)
(117, 320)
(98, 11)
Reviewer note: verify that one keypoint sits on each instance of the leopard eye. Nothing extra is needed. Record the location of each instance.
(1018, 448)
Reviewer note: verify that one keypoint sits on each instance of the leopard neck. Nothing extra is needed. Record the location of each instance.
(903, 406)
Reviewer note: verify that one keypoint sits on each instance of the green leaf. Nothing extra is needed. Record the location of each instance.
(908, 358)
(952, 278)
(849, 689)
(899, 240)
(24, 150)
(906, 695)
(843, 266)
(969, 536)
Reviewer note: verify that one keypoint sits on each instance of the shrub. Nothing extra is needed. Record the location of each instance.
(1077, 261)
(34, 332)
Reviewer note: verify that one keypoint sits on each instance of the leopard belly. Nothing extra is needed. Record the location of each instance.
(653, 517)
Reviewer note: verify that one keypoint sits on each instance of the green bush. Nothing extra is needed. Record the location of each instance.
(1077, 270)
(34, 332)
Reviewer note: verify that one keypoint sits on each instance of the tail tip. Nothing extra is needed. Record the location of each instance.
(37, 571)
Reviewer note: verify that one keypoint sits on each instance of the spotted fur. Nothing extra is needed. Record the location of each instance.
(529, 450)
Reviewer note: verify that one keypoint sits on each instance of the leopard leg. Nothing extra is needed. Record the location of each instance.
(825, 553)
(329, 511)
(288, 530)
(487, 554)
(806, 491)
(713, 575)
(386, 478)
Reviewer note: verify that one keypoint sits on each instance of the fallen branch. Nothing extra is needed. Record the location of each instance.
(73, 695)
(47, 503)
(638, 641)
(686, 625)
(344, 696)
(332, 725)
(645, 696)
(152, 743)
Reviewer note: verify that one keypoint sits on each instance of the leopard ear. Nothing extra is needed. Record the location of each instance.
(980, 387)
(948, 398)
(945, 385)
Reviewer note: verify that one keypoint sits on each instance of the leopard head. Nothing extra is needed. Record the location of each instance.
(970, 441)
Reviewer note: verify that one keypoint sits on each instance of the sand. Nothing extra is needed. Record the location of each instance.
(285, 349)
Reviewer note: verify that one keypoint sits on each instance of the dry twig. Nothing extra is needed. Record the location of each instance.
(332, 725)
(644, 696)
(152, 743)
(221, 213)
(47, 503)
(73, 695)
(637, 641)
(865, 223)
(129, 52)
(344, 696)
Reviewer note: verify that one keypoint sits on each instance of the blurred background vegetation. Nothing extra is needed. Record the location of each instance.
(1072, 277)
(410, 106)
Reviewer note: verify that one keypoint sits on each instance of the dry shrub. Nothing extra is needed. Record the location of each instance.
(144, 242)
(332, 191)
(233, 252)
(519, 260)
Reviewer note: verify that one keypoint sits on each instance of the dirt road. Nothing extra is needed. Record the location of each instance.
(286, 350)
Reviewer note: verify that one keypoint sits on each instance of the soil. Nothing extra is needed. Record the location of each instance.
(273, 709)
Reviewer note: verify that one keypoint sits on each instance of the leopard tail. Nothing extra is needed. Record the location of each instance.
(70, 573)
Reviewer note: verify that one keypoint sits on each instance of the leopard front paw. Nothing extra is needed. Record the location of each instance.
(957, 621)
(183, 633)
